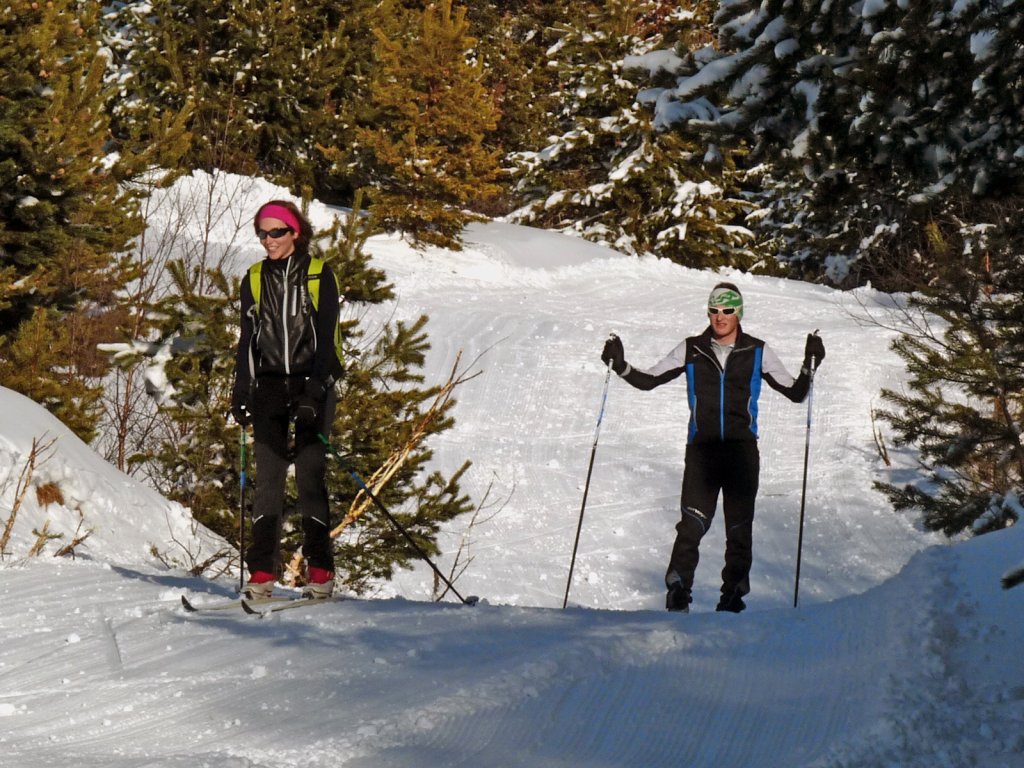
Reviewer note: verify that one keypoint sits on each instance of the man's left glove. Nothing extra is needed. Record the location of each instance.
(814, 350)
(307, 409)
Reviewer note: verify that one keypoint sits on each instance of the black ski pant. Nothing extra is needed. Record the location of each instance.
(273, 401)
(730, 469)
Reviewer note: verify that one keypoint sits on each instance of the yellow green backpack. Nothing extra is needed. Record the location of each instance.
(316, 268)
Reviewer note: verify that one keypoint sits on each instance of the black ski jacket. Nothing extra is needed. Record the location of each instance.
(286, 336)
(722, 399)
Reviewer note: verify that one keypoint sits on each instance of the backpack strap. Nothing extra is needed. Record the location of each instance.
(316, 268)
(255, 272)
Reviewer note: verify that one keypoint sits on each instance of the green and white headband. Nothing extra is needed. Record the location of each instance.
(726, 297)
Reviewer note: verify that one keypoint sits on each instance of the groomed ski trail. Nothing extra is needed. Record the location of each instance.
(541, 687)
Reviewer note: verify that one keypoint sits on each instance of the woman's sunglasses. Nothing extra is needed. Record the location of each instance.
(723, 310)
(263, 234)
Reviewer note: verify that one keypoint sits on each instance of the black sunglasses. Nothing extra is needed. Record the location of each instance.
(723, 310)
(263, 234)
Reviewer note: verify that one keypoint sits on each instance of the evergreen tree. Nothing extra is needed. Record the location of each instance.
(382, 396)
(992, 157)
(965, 405)
(194, 462)
(381, 399)
(512, 45)
(271, 89)
(423, 148)
(867, 122)
(612, 175)
(64, 213)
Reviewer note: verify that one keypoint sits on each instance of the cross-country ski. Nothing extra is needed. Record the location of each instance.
(227, 605)
(264, 608)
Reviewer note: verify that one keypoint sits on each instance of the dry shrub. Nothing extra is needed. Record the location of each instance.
(49, 493)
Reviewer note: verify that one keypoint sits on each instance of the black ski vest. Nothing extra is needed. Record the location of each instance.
(285, 325)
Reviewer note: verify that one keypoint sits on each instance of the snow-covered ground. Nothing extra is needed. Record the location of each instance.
(904, 650)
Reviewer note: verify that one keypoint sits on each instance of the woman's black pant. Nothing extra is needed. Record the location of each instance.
(730, 469)
(273, 400)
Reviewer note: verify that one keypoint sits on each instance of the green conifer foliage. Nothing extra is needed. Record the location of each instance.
(382, 396)
(423, 147)
(63, 213)
(194, 461)
(272, 88)
(512, 46)
(611, 175)
(964, 409)
(867, 122)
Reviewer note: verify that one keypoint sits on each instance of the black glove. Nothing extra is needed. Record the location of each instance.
(307, 408)
(241, 405)
(614, 354)
(815, 349)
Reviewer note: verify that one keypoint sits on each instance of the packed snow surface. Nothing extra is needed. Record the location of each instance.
(904, 651)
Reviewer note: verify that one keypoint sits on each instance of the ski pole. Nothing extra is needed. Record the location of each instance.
(586, 485)
(803, 492)
(244, 461)
(472, 599)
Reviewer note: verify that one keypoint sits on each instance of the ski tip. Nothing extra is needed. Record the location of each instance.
(251, 610)
(187, 605)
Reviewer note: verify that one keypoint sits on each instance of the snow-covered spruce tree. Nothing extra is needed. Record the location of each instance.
(768, 84)
(510, 43)
(991, 143)
(423, 147)
(65, 218)
(963, 410)
(611, 175)
(917, 128)
(866, 120)
(271, 88)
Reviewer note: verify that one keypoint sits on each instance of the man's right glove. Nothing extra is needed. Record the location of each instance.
(241, 405)
(613, 353)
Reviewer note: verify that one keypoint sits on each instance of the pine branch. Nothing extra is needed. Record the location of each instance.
(397, 459)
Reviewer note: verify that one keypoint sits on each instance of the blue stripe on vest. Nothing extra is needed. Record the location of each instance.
(691, 396)
(755, 389)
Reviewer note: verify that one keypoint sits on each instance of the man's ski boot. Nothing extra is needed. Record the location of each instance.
(678, 599)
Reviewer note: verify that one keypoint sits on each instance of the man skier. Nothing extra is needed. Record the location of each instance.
(724, 369)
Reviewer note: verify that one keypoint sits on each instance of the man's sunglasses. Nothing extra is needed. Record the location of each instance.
(723, 310)
(263, 234)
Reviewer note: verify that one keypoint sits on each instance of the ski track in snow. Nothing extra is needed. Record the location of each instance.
(127, 679)
(118, 672)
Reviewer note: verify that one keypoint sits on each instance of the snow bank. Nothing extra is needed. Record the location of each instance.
(74, 490)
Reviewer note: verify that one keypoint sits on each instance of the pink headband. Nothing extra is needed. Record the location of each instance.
(274, 211)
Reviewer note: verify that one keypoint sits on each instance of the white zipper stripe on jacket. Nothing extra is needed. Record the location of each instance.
(284, 317)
